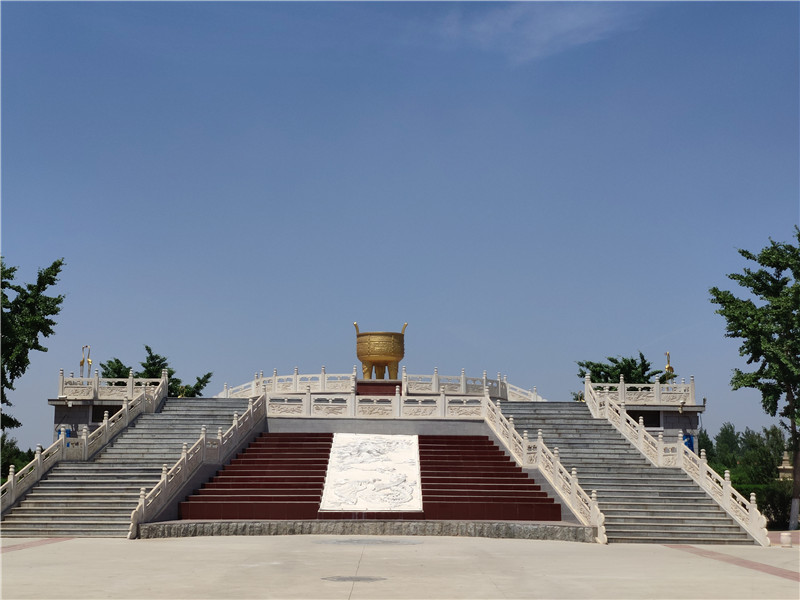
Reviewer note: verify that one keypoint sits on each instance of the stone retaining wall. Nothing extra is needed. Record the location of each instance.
(530, 531)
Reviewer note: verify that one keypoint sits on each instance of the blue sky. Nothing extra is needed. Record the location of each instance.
(527, 185)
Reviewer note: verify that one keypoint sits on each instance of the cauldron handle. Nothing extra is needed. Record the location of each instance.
(404, 328)
(356, 326)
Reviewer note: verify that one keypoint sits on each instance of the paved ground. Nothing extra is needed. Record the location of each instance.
(357, 567)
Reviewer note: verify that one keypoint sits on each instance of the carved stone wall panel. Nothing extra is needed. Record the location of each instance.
(419, 411)
(78, 392)
(285, 409)
(464, 411)
(330, 411)
(374, 411)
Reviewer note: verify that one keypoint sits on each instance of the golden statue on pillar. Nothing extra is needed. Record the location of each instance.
(378, 350)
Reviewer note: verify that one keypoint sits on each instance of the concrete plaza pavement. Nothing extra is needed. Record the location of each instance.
(377, 567)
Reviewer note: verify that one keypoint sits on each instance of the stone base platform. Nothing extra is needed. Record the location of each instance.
(561, 531)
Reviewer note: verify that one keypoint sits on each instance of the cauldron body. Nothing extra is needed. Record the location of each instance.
(379, 350)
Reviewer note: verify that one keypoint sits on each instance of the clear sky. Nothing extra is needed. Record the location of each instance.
(527, 185)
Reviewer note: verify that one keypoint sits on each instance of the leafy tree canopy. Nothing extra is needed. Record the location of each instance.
(634, 370)
(27, 316)
(752, 458)
(151, 369)
(768, 323)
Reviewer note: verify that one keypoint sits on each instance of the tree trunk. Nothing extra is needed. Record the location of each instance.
(795, 443)
(795, 490)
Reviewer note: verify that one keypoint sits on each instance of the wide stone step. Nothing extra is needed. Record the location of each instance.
(40, 516)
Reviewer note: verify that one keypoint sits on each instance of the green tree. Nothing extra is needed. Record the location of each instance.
(704, 442)
(151, 369)
(752, 459)
(727, 448)
(10, 454)
(768, 322)
(635, 370)
(760, 456)
(27, 316)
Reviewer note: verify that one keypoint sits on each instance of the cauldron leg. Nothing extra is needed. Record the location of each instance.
(393, 370)
(366, 369)
(380, 371)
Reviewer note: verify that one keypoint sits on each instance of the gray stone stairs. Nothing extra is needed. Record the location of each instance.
(95, 498)
(642, 503)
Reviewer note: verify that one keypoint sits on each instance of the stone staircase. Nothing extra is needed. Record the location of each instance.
(282, 475)
(278, 476)
(469, 477)
(95, 498)
(642, 503)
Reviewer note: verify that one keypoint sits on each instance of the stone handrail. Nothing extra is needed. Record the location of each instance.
(663, 454)
(536, 454)
(647, 393)
(83, 446)
(434, 384)
(206, 450)
(102, 388)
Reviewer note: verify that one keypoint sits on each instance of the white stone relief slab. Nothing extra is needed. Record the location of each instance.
(372, 472)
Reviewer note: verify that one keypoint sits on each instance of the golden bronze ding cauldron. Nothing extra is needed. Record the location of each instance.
(380, 349)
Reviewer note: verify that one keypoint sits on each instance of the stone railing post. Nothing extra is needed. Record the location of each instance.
(680, 448)
(203, 436)
(295, 380)
(404, 381)
(500, 385)
(573, 488)
(660, 448)
(726, 490)
(61, 392)
(85, 441)
(62, 436)
(556, 455)
(126, 407)
(96, 384)
(235, 426)
(184, 452)
(752, 511)
(39, 465)
(525, 458)
(142, 496)
(353, 379)
(463, 386)
(539, 442)
(657, 391)
(640, 432)
(621, 390)
(703, 458)
(691, 389)
(165, 381)
(442, 404)
(435, 381)
(322, 382)
(398, 401)
(535, 394)
(105, 427)
(12, 483)
(587, 392)
(130, 385)
(225, 392)
(485, 381)
(164, 471)
(254, 384)
(274, 380)
(307, 400)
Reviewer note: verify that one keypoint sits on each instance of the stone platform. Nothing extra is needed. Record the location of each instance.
(560, 531)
